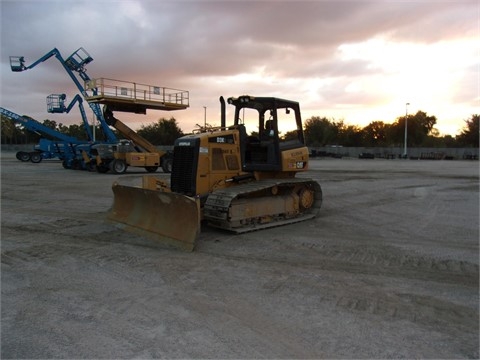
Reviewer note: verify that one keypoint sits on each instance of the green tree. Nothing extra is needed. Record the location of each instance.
(449, 141)
(77, 131)
(319, 131)
(348, 135)
(163, 132)
(63, 129)
(52, 124)
(375, 134)
(21, 135)
(290, 135)
(470, 133)
(7, 130)
(419, 127)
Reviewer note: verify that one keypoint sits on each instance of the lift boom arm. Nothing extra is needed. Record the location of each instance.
(56, 104)
(75, 62)
(127, 132)
(35, 126)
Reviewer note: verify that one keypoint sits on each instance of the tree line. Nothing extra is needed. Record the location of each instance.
(319, 132)
(163, 132)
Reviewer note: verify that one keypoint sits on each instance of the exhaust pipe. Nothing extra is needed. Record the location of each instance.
(222, 112)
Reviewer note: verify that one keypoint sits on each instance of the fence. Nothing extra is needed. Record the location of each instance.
(396, 152)
(353, 152)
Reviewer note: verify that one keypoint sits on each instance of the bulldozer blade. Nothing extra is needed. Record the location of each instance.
(172, 219)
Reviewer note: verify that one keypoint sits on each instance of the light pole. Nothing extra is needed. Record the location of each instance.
(406, 120)
(205, 118)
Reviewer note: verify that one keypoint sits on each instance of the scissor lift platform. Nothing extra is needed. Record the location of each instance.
(133, 97)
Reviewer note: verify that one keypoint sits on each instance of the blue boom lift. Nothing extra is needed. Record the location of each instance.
(74, 63)
(52, 147)
(117, 96)
(70, 150)
(56, 105)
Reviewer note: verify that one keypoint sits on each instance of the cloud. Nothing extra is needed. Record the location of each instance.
(329, 55)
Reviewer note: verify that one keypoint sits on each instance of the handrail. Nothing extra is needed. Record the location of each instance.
(126, 90)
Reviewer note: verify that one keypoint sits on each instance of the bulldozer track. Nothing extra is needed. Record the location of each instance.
(219, 202)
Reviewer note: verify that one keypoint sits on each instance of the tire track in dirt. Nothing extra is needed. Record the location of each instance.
(144, 267)
(422, 309)
(307, 275)
(385, 261)
(389, 261)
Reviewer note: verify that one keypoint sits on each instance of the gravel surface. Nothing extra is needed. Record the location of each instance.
(390, 269)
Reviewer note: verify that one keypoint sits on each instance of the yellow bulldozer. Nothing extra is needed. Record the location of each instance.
(227, 178)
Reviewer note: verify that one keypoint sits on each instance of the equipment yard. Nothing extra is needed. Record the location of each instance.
(389, 269)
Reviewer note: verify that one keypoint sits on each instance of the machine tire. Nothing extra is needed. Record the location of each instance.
(151, 169)
(23, 156)
(167, 165)
(35, 157)
(91, 166)
(76, 164)
(102, 169)
(118, 166)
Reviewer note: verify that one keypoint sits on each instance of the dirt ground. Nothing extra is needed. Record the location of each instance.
(390, 269)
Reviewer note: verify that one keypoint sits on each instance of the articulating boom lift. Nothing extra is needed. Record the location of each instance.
(120, 96)
(64, 147)
(56, 105)
(74, 63)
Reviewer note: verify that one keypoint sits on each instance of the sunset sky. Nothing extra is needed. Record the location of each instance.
(357, 61)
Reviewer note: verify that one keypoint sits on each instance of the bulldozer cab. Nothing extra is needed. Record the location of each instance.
(272, 125)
